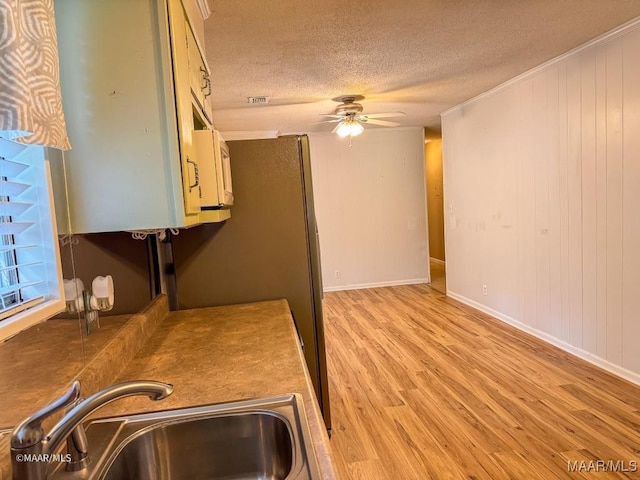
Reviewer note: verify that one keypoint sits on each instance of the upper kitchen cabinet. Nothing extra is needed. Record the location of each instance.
(131, 109)
(199, 76)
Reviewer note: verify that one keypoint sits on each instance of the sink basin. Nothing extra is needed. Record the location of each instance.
(243, 445)
(254, 439)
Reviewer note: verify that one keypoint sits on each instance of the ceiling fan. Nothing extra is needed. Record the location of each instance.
(350, 119)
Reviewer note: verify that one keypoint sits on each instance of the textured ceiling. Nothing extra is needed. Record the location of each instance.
(415, 56)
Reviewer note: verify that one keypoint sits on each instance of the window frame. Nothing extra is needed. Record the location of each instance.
(54, 303)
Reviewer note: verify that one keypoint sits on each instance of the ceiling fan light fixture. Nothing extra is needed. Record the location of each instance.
(356, 129)
(350, 120)
(349, 128)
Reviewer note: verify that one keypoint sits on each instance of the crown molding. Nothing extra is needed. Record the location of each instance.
(205, 10)
(249, 135)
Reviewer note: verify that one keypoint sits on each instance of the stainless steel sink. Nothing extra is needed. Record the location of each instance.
(255, 439)
(244, 445)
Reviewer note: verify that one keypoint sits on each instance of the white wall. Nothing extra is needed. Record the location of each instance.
(542, 176)
(370, 207)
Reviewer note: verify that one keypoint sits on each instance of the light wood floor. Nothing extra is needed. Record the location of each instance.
(424, 387)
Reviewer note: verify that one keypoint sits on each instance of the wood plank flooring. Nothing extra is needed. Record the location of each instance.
(425, 387)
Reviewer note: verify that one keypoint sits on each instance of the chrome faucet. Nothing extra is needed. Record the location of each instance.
(31, 449)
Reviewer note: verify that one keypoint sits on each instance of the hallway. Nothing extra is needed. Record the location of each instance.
(424, 387)
(438, 276)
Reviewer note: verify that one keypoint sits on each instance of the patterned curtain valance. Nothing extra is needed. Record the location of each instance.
(30, 100)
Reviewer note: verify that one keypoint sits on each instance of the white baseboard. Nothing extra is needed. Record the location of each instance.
(393, 283)
(633, 377)
(437, 261)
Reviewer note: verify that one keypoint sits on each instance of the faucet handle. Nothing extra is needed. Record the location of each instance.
(29, 431)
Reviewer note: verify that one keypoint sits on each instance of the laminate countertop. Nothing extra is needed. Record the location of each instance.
(210, 355)
(39, 364)
(222, 354)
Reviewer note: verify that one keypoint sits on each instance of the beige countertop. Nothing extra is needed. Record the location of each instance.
(37, 363)
(210, 355)
(220, 354)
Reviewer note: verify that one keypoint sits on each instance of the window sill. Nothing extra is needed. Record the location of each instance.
(23, 320)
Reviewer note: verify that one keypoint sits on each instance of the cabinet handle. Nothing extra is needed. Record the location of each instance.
(207, 82)
(196, 172)
(205, 77)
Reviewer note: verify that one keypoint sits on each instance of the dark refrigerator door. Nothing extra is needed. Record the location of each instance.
(263, 251)
(316, 280)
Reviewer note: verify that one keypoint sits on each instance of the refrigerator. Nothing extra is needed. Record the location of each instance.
(268, 249)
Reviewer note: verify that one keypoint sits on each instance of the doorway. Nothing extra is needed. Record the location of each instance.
(435, 209)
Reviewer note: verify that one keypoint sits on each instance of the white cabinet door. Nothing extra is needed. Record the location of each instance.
(126, 90)
(180, 32)
(199, 76)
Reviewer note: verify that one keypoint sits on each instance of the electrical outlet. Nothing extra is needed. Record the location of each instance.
(484, 289)
(337, 274)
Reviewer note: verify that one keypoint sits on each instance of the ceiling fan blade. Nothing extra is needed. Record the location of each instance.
(383, 123)
(384, 115)
(331, 115)
(326, 121)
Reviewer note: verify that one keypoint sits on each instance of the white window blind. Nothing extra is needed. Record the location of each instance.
(28, 273)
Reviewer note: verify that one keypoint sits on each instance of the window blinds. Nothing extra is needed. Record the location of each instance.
(23, 274)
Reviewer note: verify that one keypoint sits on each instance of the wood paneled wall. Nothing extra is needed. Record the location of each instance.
(370, 207)
(542, 184)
